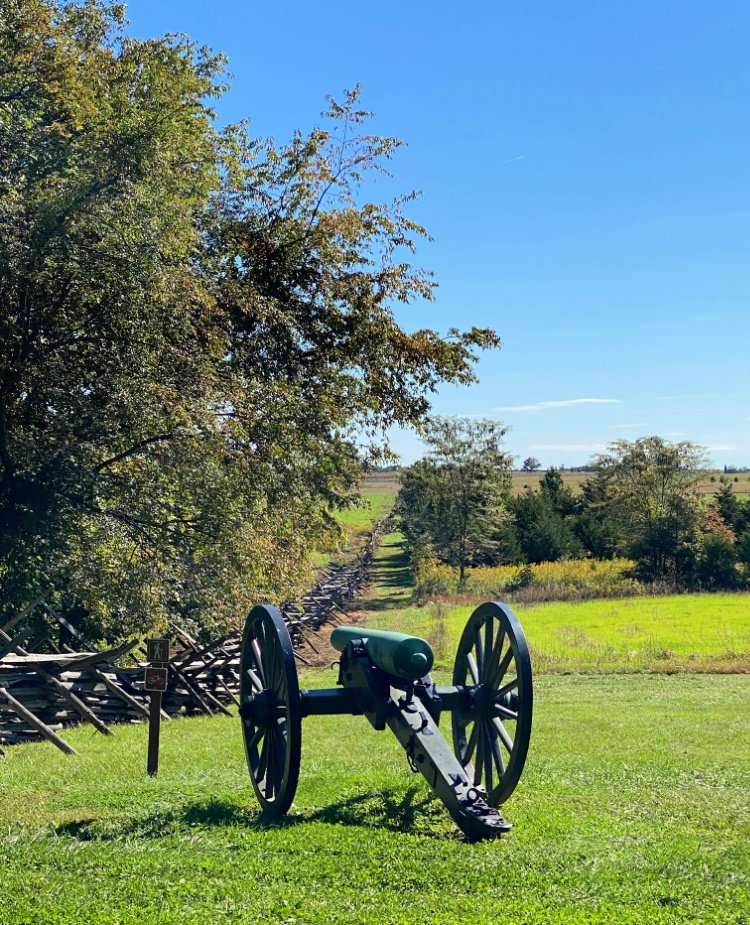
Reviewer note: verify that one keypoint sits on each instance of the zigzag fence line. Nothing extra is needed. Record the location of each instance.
(46, 685)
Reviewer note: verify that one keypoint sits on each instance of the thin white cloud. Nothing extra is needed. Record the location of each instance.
(566, 403)
(718, 447)
(519, 157)
(572, 447)
(625, 426)
(519, 409)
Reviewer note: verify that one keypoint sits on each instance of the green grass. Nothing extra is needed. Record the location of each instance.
(685, 632)
(360, 518)
(390, 576)
(695, 632)
(634, 808)
(356, 524)
(681, 632)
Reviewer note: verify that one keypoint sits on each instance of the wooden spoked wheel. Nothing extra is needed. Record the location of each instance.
(491, 736)
(270, 710)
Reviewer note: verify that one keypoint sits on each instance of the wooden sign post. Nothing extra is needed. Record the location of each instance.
(155, 681)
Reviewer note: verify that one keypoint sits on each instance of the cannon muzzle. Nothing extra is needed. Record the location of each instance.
(407, 657)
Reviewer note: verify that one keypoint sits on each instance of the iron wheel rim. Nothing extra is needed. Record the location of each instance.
(272, 748)
(491, 740)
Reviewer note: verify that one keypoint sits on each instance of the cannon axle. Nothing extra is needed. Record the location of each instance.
(380, 677)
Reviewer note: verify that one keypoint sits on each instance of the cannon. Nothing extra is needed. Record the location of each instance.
(386, 677)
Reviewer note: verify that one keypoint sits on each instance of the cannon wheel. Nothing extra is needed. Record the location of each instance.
(491, 739)
(270, 709)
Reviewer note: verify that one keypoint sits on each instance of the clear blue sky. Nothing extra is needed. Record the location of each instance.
(584, 170)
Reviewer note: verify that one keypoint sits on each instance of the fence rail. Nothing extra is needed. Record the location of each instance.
(46, 685)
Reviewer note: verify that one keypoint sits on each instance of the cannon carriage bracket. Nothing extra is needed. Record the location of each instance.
(382, 676)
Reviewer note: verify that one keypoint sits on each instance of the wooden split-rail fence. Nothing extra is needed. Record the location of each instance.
(48, 684)
(336, 587)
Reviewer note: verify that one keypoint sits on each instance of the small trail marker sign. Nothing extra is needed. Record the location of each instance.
(155, 681)
(157, 650)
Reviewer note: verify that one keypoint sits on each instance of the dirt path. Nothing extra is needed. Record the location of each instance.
(389, 588)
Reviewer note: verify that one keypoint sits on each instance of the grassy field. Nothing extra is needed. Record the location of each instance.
(694, 633)
(378, 503)
(686, 632)
(357, 522)
(710, 482)
(634, 808)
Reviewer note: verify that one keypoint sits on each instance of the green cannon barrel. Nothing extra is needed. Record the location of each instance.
(407, 657)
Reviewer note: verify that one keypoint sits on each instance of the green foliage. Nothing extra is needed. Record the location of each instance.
(743, 548)
(453, 503)
(553, 489)
(729, 506)
(523, 578)
(431, 577)
(734, 511)
(717, 563)
(544, 534)
(650, 487)
(545, 522)
(596, 525)
(642, 503)
(195, 328)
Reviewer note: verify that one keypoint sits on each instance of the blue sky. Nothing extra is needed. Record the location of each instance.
(584, 171)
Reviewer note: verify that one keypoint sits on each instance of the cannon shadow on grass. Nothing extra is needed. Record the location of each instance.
(410, 813)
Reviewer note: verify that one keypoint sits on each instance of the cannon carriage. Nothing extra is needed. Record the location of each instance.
(386, 678)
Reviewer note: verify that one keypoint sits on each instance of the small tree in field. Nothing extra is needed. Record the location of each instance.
(455, 499)
(542, 520)
(651, 490)
(531, 464)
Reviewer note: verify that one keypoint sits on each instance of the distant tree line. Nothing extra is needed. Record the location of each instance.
(640, 501)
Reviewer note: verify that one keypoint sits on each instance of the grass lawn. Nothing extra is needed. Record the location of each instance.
(634, 808)
(676, 633)
(357, 522)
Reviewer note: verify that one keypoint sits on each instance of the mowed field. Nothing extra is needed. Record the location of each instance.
(634, 808)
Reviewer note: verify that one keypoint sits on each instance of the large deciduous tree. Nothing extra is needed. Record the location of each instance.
(454, 501)
(194, 325)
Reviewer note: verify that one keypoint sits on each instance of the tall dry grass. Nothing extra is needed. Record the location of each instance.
(574, 579)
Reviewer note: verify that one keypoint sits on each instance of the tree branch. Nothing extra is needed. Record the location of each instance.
(142, 444)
